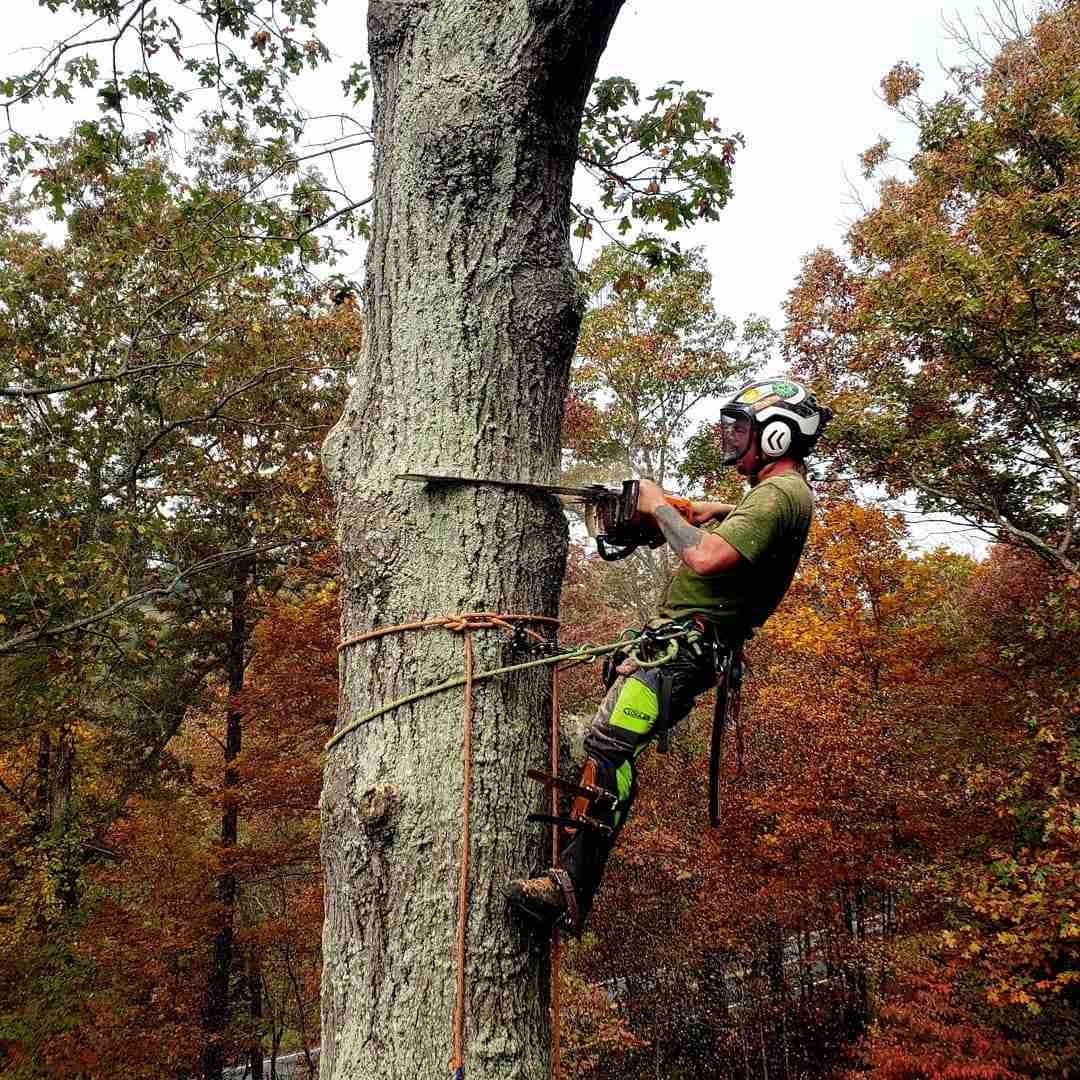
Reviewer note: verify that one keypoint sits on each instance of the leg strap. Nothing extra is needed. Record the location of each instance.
(581, 822)
(663, 722)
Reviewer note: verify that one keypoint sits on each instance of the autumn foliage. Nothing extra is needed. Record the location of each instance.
(893, 891)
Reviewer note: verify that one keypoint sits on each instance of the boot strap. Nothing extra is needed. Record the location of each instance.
(570, 920)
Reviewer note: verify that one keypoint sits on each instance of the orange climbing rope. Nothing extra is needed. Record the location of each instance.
(556, 942)
(465, 624)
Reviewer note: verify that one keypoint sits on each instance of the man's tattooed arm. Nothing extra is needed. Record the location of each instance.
(678, 532)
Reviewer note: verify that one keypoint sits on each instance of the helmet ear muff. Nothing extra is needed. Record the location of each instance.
(776, 439)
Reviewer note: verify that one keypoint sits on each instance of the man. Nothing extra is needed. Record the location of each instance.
(733, 576)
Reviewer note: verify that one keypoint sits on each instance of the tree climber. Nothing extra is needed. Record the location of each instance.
(733, 575)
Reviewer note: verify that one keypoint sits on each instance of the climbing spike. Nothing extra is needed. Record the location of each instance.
(590, 792)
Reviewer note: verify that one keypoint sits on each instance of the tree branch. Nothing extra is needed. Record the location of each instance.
(46, 633)
(46, 391)
(213, 414)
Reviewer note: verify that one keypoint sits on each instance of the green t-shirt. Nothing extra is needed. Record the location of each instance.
(768, 529)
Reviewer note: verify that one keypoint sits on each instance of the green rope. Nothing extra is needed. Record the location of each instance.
(582, 655)
(670, 654)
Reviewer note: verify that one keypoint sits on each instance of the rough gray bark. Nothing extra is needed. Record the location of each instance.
(472, 312)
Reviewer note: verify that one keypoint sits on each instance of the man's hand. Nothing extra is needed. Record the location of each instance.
(709, 511)
(699, 550)
(650, 497)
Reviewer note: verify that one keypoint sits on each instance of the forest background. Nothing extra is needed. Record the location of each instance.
(893, 887)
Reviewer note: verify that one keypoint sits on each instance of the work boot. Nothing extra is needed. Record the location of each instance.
(545, 901)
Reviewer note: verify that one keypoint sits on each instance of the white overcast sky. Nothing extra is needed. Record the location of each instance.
(799, 80)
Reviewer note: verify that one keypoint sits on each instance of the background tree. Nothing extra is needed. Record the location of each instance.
(988, 973)
(652, 352)
(164, 386)
(949, 339)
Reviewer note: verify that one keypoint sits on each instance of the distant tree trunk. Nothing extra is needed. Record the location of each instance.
(42, 801)
(472, 312)
(42, 820)
(53, 819)
(62, 820)
(216, 1015)
(255, 997)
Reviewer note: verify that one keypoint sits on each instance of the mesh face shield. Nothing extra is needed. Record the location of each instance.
(736, 429)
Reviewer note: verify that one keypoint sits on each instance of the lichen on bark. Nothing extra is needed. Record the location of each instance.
(472, 312)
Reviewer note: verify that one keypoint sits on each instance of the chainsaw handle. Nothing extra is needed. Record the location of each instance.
(683, 507)
(627, 527)
(613, 552)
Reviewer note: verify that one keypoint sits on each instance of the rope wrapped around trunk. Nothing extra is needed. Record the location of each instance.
(465, 625)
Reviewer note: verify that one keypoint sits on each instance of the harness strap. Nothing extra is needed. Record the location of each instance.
(663, 722)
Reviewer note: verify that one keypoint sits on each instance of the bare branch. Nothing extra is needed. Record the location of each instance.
(213, 414)
(48, 633)
(124, 373)
(70, 44)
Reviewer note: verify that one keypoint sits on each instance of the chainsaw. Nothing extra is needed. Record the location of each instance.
(611, 515)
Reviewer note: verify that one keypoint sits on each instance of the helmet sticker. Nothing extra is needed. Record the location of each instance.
(765, 402)
(751, 394)
(785, 389)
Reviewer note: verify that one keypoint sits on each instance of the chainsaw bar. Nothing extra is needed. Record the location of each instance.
(587, 494)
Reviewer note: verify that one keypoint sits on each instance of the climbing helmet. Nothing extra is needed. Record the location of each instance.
(783, 413)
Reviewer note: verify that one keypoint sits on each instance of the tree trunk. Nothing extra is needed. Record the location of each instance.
(255, 1006)
(65, 829)
(472, 313)
(216, 1015)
